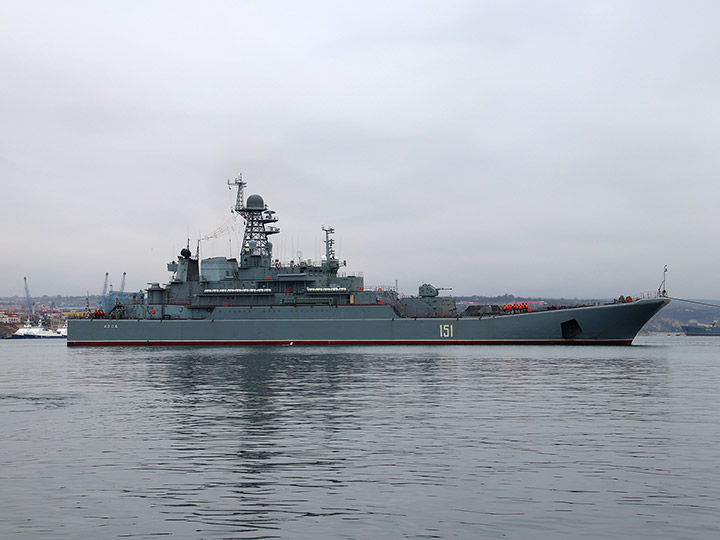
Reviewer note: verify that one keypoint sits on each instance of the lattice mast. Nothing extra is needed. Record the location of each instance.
(240, 199)
(256, 249)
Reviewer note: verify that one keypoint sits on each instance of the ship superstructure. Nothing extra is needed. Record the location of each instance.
(257, 299)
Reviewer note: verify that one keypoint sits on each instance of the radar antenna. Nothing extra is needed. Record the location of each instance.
(256, 249)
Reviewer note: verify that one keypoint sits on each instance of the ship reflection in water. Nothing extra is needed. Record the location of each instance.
(359, 442)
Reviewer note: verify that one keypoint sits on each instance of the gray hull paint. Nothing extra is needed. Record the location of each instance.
(258, 300)
(701, 330)
(265, 325)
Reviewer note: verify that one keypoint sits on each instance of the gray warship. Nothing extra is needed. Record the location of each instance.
(259, 300)
(701, 329)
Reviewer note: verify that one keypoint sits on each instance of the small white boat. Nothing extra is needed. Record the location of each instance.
(62, 331)
(30, 331)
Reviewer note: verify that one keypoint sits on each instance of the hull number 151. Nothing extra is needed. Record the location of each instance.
(446, 330)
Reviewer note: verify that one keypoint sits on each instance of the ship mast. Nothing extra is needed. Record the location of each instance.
(240, 199)
(256, 249)
(330, 263)
(329, 243)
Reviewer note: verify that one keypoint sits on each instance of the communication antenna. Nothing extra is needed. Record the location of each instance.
(240, 200)
(329, 243)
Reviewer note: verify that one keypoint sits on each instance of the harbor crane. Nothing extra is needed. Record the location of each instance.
(109, 300)
(104, 292)
(122, 287)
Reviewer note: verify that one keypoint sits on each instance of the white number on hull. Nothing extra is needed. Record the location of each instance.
(446, 330)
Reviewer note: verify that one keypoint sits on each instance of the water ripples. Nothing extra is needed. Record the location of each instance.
(289, 442)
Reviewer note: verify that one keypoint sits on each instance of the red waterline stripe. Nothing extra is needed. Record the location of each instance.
(349, 342)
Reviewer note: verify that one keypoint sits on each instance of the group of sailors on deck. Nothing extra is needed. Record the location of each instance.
(516, 308)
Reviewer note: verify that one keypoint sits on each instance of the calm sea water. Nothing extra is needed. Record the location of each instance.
(361, 442)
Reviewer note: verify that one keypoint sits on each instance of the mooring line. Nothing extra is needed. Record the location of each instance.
(693, 302)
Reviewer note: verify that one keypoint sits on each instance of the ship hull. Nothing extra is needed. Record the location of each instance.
(13, 336)
(701, 331)
(614, 324)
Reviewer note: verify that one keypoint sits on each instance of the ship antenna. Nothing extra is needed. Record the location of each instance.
(329, 243)
(240, 200)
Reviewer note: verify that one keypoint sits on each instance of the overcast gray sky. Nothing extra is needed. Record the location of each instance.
(554, 148)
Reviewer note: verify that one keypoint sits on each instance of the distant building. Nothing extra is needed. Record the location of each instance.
(9, 318)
